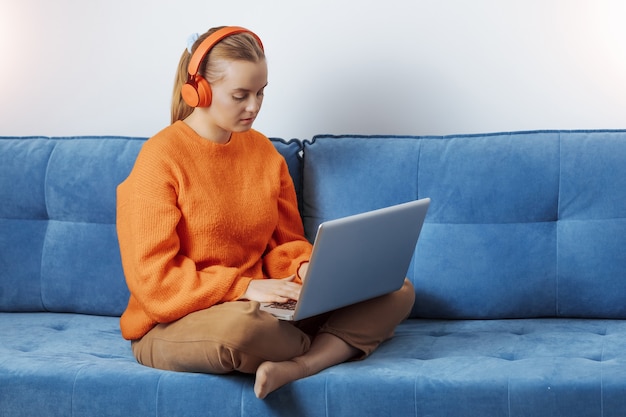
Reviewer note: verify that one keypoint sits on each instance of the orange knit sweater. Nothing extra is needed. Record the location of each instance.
(196, 221)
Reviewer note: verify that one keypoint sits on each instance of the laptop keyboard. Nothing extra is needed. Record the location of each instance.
(289, 305)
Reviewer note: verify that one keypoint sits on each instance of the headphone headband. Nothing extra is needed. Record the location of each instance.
(197, 91)
(205, 47)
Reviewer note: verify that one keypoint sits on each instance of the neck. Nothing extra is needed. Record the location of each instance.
(201, 124)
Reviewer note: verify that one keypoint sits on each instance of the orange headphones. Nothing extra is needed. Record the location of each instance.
(197, 92)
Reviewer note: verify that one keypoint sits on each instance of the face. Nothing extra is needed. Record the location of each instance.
(237, 96)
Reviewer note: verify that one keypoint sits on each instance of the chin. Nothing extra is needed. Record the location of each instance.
(241, 129)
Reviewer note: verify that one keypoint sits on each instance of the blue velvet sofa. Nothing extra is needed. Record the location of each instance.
(520, 280)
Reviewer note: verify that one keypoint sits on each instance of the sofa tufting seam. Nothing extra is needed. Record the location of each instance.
(242, 403)
(415, 395)
(47, 220)
(156, 396)
(78, 371)
(602, 380)
(326, 410)
(508, 395)
(556, 230)
(45, 180)
(417, 169)
(82, 222)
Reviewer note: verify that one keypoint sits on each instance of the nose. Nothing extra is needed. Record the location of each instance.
(254, 104)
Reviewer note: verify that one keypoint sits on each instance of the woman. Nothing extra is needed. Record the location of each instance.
(209, 227)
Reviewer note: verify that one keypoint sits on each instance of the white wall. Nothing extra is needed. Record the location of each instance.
(77, 67)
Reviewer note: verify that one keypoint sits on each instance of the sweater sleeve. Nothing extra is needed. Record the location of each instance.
(288, 247)
(164, 283)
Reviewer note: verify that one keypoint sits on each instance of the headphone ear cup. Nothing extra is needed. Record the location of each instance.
(197, 92)
(205, 95)
(190, 94)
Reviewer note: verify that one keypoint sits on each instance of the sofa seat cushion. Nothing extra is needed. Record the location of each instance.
(524, 367)
(72, 364)
(58, 364)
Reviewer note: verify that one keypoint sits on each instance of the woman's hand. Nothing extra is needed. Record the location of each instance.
(302, 270)
(272, 290)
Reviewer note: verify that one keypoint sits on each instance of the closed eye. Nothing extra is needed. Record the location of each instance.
(242, 94)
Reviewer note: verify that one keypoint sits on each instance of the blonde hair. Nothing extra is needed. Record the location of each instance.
(238, 47)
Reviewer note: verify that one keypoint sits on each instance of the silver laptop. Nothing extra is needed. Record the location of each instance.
(356, 258)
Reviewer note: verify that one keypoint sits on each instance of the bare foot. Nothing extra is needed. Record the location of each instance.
(326, 350)
(272, 375)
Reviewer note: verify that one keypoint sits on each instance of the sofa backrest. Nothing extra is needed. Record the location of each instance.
(58, 243)
(526, 224)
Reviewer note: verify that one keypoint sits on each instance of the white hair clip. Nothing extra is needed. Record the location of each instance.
(191, 40)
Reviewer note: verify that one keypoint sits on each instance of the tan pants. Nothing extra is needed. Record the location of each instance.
(237, 336)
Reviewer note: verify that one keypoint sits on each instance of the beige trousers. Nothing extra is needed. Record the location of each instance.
(237, 336)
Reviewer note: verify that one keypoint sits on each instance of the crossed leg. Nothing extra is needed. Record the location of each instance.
(348, 333)
(326, 350)
(237, 336)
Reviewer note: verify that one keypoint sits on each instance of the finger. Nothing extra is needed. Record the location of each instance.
(286, 294)
(293, 292)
